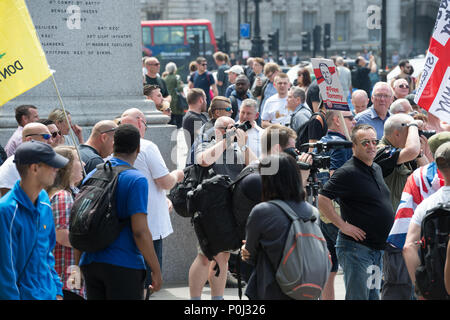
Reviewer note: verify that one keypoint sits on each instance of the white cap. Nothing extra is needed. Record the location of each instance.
(235, 69)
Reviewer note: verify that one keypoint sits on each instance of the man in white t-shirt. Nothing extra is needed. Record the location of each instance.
(8, 171)
(151, 163)
(410, 250)
(275, 110)
(249, 112)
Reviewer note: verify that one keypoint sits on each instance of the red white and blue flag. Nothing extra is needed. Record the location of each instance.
(421, 184)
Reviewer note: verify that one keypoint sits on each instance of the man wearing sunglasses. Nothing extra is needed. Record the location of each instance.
(401, 88)
(8, 171)
(406, 71)
(366, 215)
(152, 77)
(204, 80)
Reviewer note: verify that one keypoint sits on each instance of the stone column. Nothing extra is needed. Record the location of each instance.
(95, 49)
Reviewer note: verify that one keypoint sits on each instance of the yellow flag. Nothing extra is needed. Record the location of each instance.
(22, 61)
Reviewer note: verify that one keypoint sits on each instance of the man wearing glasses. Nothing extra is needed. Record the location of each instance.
(366, 215)
(377, 114)
(204, 80)
(401, 88)
(152, 77)
(399, 154)
(406, 71)
(8, 171)
(99, 145)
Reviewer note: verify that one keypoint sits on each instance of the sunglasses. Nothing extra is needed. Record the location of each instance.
(226, 109)
(55, 134)
(204, 64)
(366, 142)
(349, 117)
(404, 86)
(46, 136)
(145, 123)
(154, 64)
(109, 130)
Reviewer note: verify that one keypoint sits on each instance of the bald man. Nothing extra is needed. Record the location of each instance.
(99, 145)
(8, 171)
(360, 100)
(151, 163)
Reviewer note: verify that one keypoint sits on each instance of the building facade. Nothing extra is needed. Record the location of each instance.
(355, 24)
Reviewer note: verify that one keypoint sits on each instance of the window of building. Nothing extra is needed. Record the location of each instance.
(342, 26)
(309, 21)
(279, 22)
(221, 23)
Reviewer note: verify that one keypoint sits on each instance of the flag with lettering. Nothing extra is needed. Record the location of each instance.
(22, 61)
(433, 93)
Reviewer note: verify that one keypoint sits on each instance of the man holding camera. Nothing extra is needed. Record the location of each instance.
(399, 154)
(227, 153)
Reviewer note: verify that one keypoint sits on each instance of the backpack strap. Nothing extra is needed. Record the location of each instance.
(291, 213)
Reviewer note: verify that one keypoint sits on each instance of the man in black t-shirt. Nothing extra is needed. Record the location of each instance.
(313, 96)
(366, 216)
(152, 64)
(194, 118)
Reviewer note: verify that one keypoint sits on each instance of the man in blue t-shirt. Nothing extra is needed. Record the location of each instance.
(204, 80)
(118, 272)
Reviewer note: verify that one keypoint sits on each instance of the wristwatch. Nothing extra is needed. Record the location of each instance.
(244, 147)
(412, 124)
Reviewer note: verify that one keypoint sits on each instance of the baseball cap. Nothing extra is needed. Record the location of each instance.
(436, 140)
(442, 155)
(38, 152)
(235, 69)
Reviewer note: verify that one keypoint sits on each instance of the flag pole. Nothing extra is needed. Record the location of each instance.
(72, 135)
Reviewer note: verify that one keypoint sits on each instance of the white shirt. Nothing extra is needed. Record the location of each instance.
(254, 139)
(150, 163)
(8, 173)
(440, 196)
(275, 110)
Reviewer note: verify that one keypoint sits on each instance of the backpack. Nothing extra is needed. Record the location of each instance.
(305, 265)
(432, 253)
(93, 222)
(302, 132)
(213, 220)
(241, 204)
(193, 176)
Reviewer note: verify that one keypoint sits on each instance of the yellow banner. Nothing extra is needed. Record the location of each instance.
(22, 61)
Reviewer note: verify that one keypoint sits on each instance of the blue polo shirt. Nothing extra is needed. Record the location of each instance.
(370, 116)
(131, 198)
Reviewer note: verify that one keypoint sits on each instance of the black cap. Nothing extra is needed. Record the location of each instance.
(39, 152)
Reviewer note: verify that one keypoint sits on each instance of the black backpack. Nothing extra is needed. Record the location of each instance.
(433, 250)
(242, 205)
(213, 219)
(93, 222)
(193, 176)
(302, 132)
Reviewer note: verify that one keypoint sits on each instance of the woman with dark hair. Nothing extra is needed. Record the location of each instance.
(303, 78)
(268, 226)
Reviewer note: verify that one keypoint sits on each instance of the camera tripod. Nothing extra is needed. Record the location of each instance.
(313, 186)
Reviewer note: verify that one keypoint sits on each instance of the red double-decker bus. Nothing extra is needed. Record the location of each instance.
(174, 40)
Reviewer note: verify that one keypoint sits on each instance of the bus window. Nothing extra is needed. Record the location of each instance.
(168, 35)
(146, 36)
(193, 30)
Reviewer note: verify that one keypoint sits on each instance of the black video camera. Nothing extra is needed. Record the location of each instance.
(243, 126)
(319, 162)
(427, 133)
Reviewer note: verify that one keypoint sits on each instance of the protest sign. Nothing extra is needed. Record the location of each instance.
(330, 88)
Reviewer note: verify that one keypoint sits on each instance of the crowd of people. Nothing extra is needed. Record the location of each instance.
(362, 198)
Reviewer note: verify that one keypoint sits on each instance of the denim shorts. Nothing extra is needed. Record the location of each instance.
(330, 232)
(363, 268)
